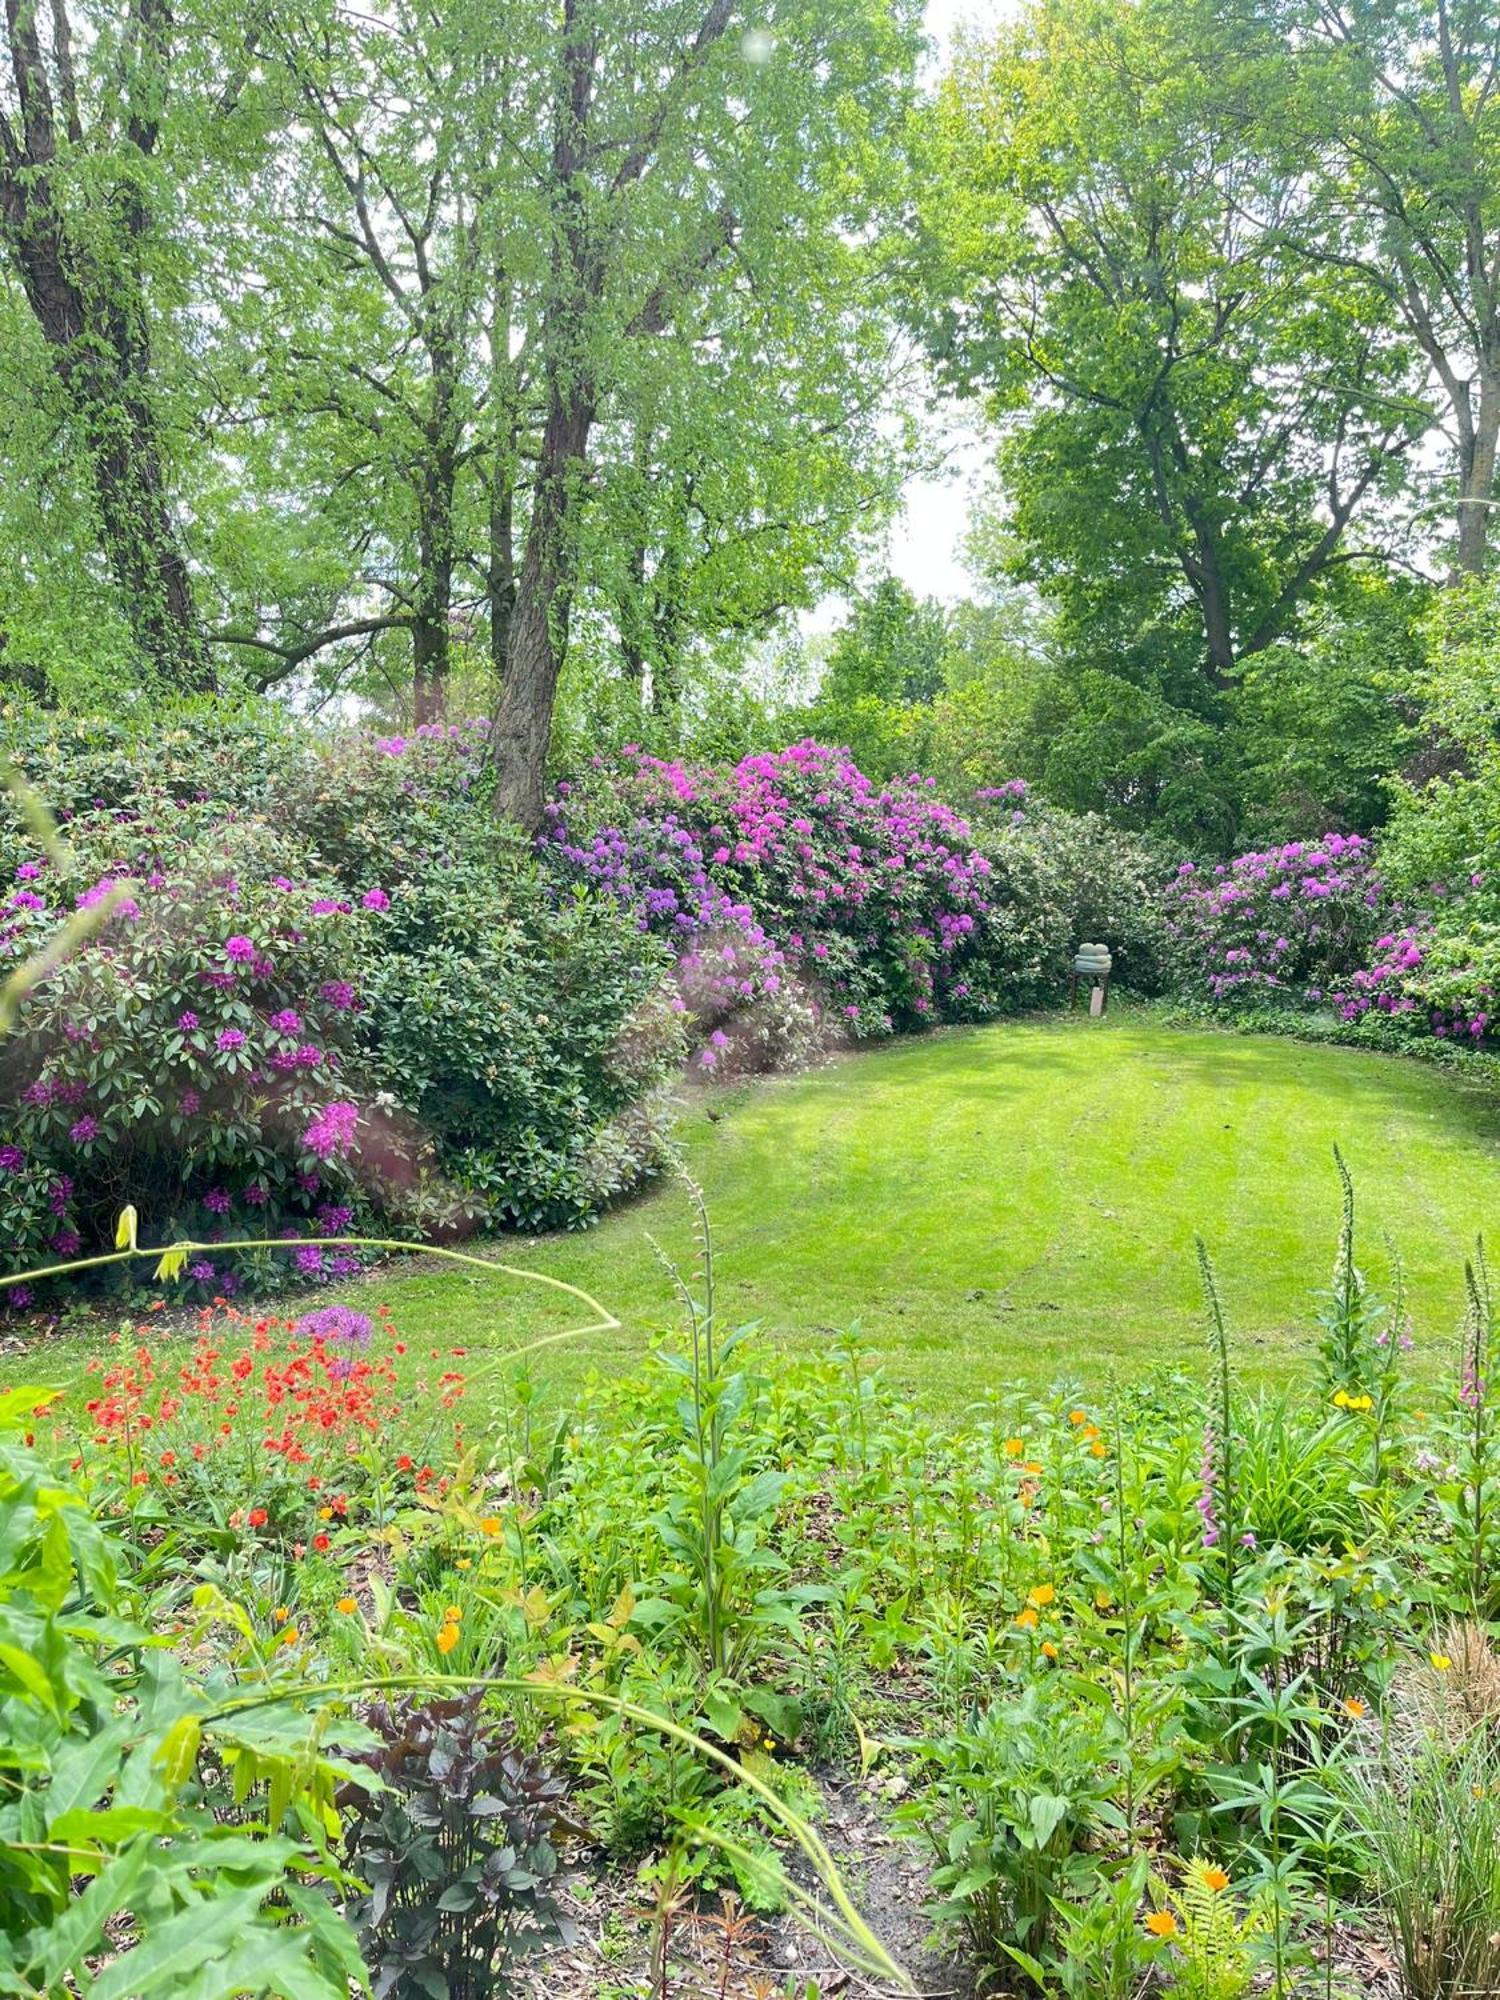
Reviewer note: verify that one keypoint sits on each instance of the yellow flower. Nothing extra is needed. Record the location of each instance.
(452, 1614)
(1014, 1447)
(447, 1639)
(1213, 1878)
(325, 1513)
(489, 1524)
(1032, 1465)
(1027, 1619)
(1355, 1707)
(1341, 1399)
(280, 1615)
(1042, 1596)
(464, 1562)
(1077, 1417)
(1441, 1662)
(1098, 1450)
(347, 1605)
(1049, 1651)
(1103, 1599)
(1361, 1403)
(1162, 1924)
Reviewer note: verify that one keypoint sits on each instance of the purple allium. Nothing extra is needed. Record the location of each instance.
(203, 1271)
(340, 1323)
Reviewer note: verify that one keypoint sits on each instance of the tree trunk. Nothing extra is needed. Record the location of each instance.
(83, 287)
(1476, 475)
(539, 624)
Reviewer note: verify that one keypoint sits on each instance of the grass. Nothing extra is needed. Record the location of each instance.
(1017, 1204)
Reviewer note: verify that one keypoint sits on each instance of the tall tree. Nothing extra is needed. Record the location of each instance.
(700, 155)
(1405, 96)
(1195, 420)
(79, 169)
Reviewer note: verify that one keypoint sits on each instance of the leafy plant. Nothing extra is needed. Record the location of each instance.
(453, 1834)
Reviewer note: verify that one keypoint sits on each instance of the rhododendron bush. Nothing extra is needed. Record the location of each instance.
(1314, 925)
(326, 993)
(793, 888)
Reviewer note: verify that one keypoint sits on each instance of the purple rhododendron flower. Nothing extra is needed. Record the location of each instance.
(229, 1038)
(84, 1130)
(375, 899)
(241, 949)
(332, 1131)
(12, 1159)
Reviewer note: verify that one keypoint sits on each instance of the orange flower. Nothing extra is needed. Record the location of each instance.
(1356, 1708)
(280, 1615)
(1049, 1651)
(1162, 1924)
(1027, 1620)
(257, 1517)
(1077, 1417)
(290, 1636)
(1097, 1450)
(489, 1524)
(1014, 1447)
(1042, 1596)
(447, 1639)
(1213, 1878)
(348, 1605)
(453, 1613)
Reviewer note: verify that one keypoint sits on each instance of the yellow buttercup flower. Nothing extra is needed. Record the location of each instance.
(1441, 1662)
(1014, 1447)
(1041, 1597)
(447, 1639)
(347, 1605)
(1026, 1619)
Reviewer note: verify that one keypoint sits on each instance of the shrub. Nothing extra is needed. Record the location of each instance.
(1288, 923)
(197, 1057)
(329, 989)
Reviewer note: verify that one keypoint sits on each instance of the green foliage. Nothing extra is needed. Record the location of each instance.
(109, 1761)
(1014, 1799)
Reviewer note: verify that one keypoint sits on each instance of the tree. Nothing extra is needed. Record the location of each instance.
(1404, 95)
(1196, 418)
(702, 161)
(79, 177)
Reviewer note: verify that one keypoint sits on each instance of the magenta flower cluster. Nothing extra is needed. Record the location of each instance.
(788, 866)
(1286, 924)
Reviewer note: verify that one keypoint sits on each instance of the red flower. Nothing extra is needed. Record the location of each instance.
(321, 1543)
(257, 1517)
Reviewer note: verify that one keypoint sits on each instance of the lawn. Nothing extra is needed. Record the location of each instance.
(1018, 1203)
(1014, 1203)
